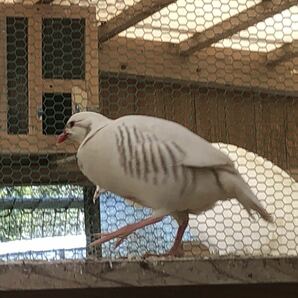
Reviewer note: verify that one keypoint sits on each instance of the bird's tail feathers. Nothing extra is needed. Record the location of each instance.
(249, 200)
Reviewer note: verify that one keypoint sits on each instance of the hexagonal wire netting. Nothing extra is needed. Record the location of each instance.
(227, 70)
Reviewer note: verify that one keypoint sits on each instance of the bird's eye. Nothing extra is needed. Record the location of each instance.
(71, 124)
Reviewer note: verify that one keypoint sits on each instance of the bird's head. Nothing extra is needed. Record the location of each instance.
(80, 124)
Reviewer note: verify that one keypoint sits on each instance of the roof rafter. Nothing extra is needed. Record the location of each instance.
(130, 16)
(212, 66)
(282, 54)
(241, 21)
(44, 2)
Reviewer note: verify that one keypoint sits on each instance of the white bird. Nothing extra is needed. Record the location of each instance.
(158, 164)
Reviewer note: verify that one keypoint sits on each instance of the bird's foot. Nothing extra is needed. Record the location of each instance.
(120, 234)
(97, 193)
(125, 231)
(173, 252)
(120, 238)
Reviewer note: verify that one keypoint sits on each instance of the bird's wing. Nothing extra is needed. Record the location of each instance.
(158, 143)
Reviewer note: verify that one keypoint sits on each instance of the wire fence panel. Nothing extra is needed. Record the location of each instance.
(227, 70)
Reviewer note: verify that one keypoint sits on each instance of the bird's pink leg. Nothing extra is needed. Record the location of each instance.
(174, 251)
(127, 230)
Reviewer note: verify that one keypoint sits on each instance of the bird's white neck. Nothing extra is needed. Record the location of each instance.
(95, 125)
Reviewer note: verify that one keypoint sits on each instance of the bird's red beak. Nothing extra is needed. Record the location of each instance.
(62, 137)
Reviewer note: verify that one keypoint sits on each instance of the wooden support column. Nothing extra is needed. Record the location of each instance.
(3, 82)
(92, 220)
(34, 73)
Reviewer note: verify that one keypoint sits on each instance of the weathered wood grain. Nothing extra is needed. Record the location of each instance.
(215, 67)
(240, 120)
(270, 119)
(211, 114)
(150, 272)
(284, 53)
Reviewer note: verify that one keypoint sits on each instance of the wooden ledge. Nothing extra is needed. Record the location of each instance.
(152, 272)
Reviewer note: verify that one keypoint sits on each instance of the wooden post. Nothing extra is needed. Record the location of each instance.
(34, 73)
(3, 91)
(92, 221)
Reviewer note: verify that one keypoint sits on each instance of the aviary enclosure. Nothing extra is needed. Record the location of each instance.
(228, 70)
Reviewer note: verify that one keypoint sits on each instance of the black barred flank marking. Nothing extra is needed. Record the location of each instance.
(118, 144)
(119, 148)
(129, 143)
(130, 167)
(138, 164)
(153, 160)
(141, 136)
(162, 161)
(146, 165)
(173, 158)
(178, 148)
(136, 134)
(122, 149)
(172, 155)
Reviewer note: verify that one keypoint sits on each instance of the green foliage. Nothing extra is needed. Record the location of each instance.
(33, 223)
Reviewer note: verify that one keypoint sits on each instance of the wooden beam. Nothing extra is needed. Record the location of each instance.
(130, 16)
(293, 172)
(282, 54)
(218, 67)
(3, 75)
(239, 22)
(44, 1)
(55, 11)
(50, 85)
(10, 203)
(40, 168)
(33, 144)
(125, 274)
(34, 74)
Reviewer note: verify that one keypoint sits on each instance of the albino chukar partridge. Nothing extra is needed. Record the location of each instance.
(158, 164)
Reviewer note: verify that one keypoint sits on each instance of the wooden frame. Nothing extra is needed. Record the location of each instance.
(212, 66)
(35, 141)
(3, 82)
(284, 53)
(153, 272)
(129, 17)
(218, 67)
(239, 22)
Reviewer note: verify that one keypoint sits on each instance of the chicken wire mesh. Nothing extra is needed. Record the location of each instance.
(227, 70)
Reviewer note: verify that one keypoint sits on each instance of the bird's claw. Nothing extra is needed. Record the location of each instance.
(97, 193)
(119, 241)
(104, 237)
(173, 252)
(100, 235)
